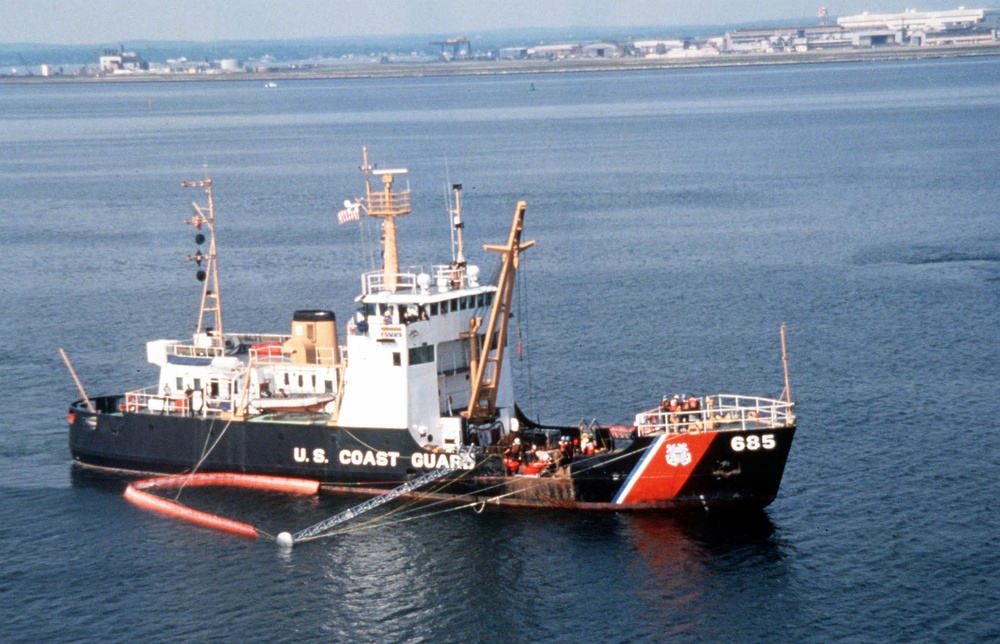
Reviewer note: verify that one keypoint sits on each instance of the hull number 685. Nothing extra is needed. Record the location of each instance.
(752, 443)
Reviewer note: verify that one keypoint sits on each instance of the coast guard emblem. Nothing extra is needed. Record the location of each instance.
(678, 454)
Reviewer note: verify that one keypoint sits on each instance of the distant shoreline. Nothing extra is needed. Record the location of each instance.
(517, 67)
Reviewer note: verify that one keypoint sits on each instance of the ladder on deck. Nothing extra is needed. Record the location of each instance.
(370, 504)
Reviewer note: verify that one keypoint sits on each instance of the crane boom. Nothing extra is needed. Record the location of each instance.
(486, 363)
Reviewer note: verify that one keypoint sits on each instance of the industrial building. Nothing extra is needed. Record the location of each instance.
(910, 28)
(121, 62)
(927, 21)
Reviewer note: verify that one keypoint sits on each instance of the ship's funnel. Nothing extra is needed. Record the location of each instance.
(314, 338)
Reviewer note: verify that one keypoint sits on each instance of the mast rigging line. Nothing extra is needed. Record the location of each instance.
(523, 311)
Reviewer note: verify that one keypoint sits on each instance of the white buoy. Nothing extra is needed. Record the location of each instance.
(285, 540)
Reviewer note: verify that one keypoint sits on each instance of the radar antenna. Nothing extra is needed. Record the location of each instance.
(387, 205)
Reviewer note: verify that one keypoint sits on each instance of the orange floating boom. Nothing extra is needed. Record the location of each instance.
(230, 479)
(136, 494)
(163, 506)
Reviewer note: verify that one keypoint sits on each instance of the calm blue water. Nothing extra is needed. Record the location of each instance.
(681, 217)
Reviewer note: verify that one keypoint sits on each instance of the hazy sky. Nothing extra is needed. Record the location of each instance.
(114, 21)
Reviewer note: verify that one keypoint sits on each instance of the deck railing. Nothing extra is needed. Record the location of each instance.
(722, 412)
(272, 354)
(153, 400)
(150, 400)
(375, 282)
(394, 203)
(195, 351)
(444, 277)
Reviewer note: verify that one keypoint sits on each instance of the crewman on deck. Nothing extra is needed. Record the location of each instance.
(514, 451)
(360, 322)
(565, 450)
(673, 406)
(512, 456)
(166, 398)
(685, 406)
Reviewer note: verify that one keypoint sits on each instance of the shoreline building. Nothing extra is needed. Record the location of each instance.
(908, 28)
(923, 28)
(121, 62)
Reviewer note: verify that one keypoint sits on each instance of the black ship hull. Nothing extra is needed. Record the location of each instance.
(686, 471)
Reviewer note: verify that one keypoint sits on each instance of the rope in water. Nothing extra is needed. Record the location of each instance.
(323, 529)
(387, 519)
(206, 451)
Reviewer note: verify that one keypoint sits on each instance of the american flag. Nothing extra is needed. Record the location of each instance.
(351, 212)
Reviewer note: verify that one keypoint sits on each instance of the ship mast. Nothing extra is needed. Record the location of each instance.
(209, 275)
(486, 369)
(458, 253)
(387, 205)
(787, 393)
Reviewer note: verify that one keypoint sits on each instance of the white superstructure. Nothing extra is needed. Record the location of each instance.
(415, 354)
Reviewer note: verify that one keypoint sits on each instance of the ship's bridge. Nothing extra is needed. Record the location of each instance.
(409, 341)
(418, 295)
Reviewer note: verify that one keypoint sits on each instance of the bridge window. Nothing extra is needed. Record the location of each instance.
(422, 354)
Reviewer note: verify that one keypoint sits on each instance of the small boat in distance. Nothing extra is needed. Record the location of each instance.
(415, 387)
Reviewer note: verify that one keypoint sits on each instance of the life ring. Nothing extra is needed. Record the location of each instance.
(131, 403)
